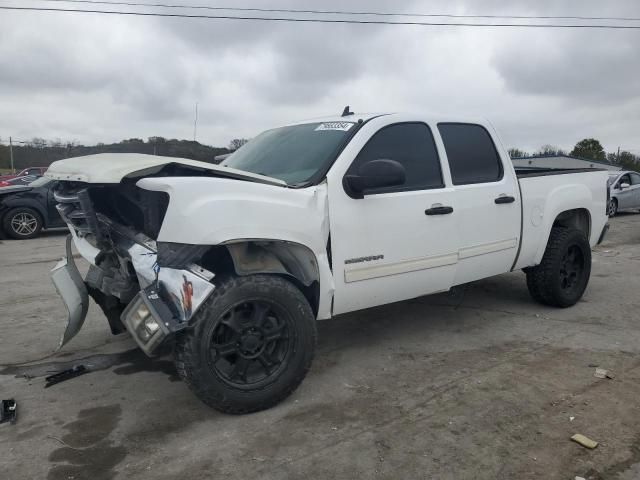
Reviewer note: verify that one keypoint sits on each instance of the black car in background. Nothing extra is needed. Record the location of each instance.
(26, 209)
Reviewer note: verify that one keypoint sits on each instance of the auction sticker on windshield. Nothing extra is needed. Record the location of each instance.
(344, 126)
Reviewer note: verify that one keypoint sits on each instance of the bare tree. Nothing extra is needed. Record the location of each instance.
(236, 143)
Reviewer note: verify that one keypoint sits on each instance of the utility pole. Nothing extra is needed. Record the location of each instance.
(195, 124)
(11, 154)
(618, 157)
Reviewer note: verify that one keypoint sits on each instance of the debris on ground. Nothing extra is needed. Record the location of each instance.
(62, 442)
(580, 478)
(64, 375)
(8, 411)
(571, 419)
(584, 441)
(603, 373)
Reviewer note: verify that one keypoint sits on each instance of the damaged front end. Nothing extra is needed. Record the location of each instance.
(113, 228)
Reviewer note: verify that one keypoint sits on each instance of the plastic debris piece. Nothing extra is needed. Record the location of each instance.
(8, 411)
(600, 373)
(76, 371)
(584, 441)
(571, 419)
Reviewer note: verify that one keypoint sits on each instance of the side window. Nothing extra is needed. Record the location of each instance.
(410, 144)
(624, 179)
(635, 179)
(473, 157)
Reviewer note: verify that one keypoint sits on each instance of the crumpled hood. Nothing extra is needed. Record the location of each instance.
(113, 167)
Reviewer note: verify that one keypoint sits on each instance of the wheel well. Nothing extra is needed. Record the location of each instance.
(35, 208)
(578, 218)
(292, 261)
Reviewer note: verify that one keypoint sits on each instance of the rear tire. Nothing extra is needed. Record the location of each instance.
(251, 345)
(563, 274)
(22, 223)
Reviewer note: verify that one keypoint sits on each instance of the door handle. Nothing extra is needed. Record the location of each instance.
(504, 199)
(438, 210)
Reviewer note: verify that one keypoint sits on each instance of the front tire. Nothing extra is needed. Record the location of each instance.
(613, 207)
(251, 345)
(563, 274)
(22, 223)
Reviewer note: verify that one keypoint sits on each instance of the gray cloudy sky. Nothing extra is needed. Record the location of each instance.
(95, 78)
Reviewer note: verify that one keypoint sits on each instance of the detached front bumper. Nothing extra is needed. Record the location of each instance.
(70, 286)
(168, 297)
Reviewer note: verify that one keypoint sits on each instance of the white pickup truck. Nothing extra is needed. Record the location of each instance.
(232, 264)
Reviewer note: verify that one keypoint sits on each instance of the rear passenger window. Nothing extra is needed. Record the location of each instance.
(473, 157)
(410, 144)
(635, 179)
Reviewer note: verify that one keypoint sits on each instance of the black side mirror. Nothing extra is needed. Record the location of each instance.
(374, 174)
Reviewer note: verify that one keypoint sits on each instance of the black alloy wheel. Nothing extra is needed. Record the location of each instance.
(250, 343)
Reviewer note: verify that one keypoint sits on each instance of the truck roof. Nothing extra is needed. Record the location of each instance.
(431, 117)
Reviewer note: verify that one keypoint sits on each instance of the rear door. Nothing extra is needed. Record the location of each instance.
(488, 203)
(387, 247)
(635, 188)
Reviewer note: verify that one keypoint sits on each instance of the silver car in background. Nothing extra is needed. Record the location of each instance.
(625, 191)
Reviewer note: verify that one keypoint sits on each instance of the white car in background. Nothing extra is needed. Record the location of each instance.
(625, 191)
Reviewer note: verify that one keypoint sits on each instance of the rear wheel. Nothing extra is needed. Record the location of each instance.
(22, 223)
(251, 345)
(563, 274)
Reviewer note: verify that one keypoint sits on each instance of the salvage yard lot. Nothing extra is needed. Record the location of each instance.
(478, 383)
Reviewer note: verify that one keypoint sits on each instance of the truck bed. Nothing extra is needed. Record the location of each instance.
(542, 172)
(545, 192)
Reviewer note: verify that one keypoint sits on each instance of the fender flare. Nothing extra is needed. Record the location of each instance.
(562, 199)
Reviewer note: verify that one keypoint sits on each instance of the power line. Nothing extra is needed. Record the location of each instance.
(342, 12)
(320, 20)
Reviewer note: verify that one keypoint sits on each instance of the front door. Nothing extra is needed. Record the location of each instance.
(399, 242)
(624, 195)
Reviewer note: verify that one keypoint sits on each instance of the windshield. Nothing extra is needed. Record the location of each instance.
(612, 178)
(293, 154)
(40, 182)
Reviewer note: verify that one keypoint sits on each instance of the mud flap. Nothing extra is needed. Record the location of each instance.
(71, 288)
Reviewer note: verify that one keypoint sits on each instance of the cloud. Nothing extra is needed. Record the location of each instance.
(101, 78)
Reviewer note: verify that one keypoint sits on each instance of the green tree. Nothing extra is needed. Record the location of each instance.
(628, 161)
(589, 148)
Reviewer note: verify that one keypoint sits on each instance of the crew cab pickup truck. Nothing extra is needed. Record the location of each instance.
(232, 264)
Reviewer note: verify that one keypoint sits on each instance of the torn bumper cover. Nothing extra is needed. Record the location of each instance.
(71, 288)
(168, 298)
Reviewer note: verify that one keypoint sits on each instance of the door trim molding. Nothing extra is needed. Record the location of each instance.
(487, 248)
(403, 266)
(359, 273)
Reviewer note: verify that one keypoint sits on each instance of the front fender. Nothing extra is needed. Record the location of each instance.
(11, 203)
(216, 211)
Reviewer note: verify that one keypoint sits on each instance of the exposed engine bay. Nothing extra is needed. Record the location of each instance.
(121, 223)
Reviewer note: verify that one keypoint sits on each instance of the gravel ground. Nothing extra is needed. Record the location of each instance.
(478, 383)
